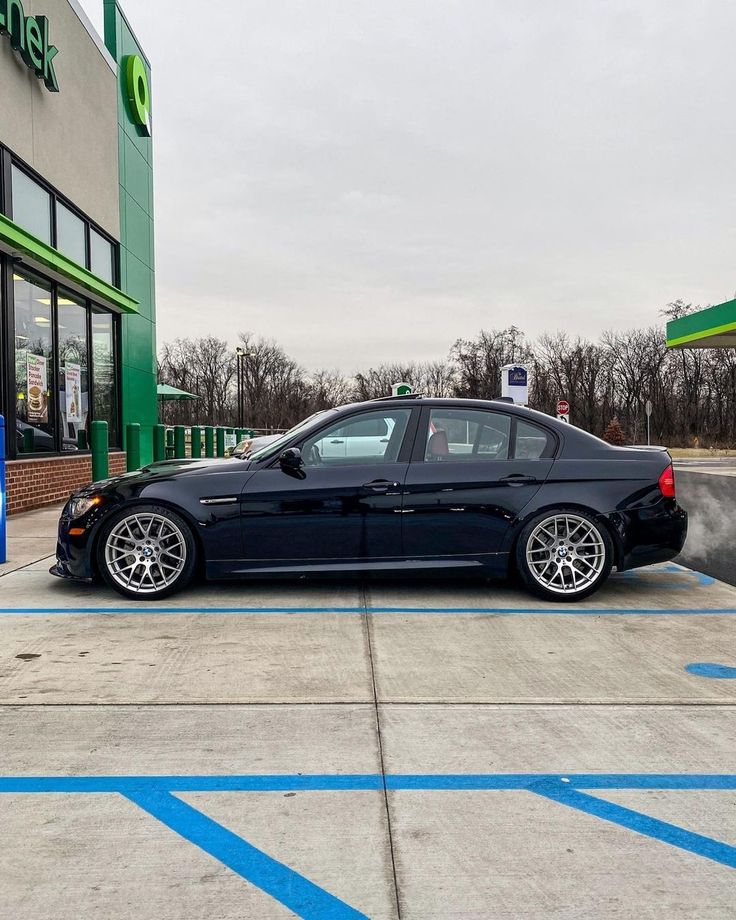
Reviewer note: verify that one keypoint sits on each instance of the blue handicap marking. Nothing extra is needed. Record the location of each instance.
(156, 796)
(558, 791)
(692, 578)
(714, 671)
(293, 890)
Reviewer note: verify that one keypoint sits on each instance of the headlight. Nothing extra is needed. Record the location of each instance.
(80, 506)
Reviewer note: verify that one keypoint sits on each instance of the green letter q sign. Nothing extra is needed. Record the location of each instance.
(139, 95)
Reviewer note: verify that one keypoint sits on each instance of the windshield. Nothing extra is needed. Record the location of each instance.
(270, 449)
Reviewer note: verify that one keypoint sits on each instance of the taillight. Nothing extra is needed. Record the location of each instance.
(667, 482)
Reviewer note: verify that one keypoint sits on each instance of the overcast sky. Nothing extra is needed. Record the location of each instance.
(368, 181)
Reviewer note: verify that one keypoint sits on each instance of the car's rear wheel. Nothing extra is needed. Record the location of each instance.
(146, 552)
(564, 555)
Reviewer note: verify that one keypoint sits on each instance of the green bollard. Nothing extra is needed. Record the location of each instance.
(28, 436)
(169, 443)
(209, 441)
(196, 442)
(180, 442)
(100, 452)
(220, 433)
(159, 442)
(133, 446)
(82, 439)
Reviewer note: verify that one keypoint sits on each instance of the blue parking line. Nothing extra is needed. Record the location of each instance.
(155, 795)
(354, 782)
(675, 836)
(291, 889)
(560, 610)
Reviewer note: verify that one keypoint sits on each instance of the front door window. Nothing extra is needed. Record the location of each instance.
(370, 437)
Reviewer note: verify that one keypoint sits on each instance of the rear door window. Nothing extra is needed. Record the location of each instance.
(461, 435)
(532, 442)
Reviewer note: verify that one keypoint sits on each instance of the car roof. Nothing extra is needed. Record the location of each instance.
(574, 441)
(448, 402)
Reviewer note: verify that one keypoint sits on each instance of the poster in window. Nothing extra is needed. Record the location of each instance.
(37, 388)
(73, 388)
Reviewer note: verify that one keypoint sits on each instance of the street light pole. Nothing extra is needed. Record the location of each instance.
(239, 355)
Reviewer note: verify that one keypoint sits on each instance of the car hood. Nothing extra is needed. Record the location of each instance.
(167, 470)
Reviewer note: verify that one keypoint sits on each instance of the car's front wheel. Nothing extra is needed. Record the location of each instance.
(146, 552)
(564, 555)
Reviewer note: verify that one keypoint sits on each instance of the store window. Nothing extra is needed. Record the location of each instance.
(45, 214)
(31, 206)
(70, 234)
(103, 372)
(73, 371)
(34, 408)
(101, 252)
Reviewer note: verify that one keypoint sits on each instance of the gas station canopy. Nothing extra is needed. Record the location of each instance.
(711, 328)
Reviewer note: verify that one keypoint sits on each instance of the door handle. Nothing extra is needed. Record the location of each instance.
(518, 479)
(337, 442)
(380, 485)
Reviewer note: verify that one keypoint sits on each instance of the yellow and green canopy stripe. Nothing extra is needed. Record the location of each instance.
(711, 328)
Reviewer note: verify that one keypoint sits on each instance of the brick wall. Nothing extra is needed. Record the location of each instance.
(48, 480)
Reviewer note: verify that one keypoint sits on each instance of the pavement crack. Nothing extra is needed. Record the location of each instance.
(364, 600)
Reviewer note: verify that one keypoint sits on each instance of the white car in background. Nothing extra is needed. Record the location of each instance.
(365, 439)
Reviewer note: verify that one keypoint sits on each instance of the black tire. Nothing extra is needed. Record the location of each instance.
(171, 563)
(590, 560)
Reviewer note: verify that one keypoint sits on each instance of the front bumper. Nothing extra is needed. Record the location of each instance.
(75, 552)
(62, 570)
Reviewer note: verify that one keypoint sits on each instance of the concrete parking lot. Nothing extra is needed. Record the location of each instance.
(390, 750)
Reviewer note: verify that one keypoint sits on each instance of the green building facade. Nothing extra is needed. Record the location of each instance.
(77, 267)
(137, 266)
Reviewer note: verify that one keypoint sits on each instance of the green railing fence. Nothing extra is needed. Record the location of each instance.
(169, 443)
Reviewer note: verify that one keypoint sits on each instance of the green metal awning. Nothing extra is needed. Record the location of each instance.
(711, 328)
(164, 391)
(16, 240)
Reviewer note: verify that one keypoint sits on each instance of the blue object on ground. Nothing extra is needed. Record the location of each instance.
(714, 671)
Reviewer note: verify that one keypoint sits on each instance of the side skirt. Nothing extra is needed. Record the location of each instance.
(489, 563)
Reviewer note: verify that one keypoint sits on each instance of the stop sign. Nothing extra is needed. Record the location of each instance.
(563, 407)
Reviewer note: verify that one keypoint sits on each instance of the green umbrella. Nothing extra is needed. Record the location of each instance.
(164, 391)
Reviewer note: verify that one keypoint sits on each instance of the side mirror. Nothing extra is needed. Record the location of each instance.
(291, 459)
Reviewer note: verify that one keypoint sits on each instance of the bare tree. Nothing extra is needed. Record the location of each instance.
(204, 367)
(693, 391)
(479, 361)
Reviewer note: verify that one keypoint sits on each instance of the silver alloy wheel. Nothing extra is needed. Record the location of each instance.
(145, 553)
(565, 553)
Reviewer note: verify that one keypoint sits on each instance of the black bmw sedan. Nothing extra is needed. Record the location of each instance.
(405, 484)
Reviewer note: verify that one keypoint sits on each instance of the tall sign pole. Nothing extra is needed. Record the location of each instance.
(648, 410)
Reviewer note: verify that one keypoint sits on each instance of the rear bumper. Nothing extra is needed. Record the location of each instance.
(649, 535)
